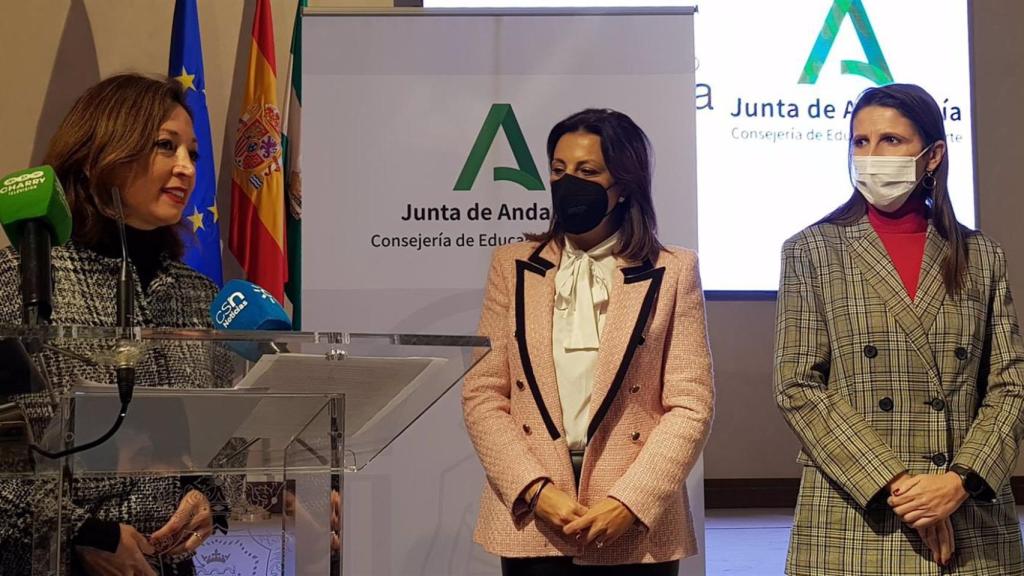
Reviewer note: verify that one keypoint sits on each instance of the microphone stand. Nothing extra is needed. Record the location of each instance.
(124, 368)
(34, 247)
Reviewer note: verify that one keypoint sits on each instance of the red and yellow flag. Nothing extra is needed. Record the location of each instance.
(257, 236)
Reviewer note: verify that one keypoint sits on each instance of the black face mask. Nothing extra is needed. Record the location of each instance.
(579, 204)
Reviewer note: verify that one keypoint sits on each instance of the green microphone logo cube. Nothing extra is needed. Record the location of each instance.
(34, 194)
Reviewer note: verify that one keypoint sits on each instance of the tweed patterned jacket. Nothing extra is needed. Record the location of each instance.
(650, 411)
(84, 288)
(875, 384)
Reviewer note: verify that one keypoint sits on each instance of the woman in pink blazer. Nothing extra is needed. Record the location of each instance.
(596, 398)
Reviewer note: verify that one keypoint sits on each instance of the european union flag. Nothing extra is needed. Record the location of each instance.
(202, 247)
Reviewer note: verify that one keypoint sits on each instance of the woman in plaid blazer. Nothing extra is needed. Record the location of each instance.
(596, 398)
(899, 366)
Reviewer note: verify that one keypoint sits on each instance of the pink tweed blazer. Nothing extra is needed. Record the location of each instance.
(650, 411)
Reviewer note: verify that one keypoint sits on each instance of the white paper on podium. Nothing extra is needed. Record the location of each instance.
(372, 386)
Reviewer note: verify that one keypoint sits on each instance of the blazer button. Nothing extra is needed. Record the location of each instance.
(526, 429)
(961, 353)
(635, 436)
(885, 404)
(870, 351)
(519, 384)
(635, 388)
(939, 459)
(938, 404)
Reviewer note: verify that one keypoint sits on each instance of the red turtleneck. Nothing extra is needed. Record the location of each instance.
(903, 234)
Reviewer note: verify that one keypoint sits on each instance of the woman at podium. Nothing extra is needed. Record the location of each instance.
(899, 365)
(596, 398)
(130, 136)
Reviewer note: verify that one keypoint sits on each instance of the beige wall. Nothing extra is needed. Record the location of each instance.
(54, 49)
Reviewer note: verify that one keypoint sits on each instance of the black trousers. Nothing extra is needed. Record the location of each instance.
(563, 566)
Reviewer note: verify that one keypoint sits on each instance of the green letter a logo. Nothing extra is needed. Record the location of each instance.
(501, 116)
(875, 69)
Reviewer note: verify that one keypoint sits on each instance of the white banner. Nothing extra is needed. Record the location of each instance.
(777, 81)
(424, 148)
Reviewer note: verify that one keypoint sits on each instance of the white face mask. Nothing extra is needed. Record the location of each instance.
(886, 181)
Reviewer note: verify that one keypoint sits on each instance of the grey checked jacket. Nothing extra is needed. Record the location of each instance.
(84, 289)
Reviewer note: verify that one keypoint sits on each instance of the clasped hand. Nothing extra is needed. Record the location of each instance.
(925, 503)
(925, 499)
(602, 523)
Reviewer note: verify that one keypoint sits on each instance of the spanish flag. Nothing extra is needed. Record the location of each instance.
(257, 236)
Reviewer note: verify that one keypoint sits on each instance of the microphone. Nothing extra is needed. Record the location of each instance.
(242, 305)
(125, 303)
(123, 357)
(35, 216)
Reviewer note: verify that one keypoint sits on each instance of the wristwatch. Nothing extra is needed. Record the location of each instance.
(974, 485)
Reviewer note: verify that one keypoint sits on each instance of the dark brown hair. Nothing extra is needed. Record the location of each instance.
(917, 106)
(627, 153)
(111, 127)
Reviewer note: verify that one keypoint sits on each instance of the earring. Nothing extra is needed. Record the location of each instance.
(928, 181)
(622, 199)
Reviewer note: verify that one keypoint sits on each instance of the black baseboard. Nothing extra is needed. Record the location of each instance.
(778, 492)
(1017, 485)
(750, 492)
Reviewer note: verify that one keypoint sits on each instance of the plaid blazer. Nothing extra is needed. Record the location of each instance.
(650, 410)
(874, 384)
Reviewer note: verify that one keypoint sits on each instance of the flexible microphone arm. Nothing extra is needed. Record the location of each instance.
(125, 291)
(125, 305)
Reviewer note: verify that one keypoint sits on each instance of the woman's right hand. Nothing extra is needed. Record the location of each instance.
(556, 507)
(128, 560)
(939, 539)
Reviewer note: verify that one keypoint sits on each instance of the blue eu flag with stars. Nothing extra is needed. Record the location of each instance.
(202, 245)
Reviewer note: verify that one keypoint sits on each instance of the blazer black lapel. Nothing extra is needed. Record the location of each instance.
(535, 292)
(633, 297)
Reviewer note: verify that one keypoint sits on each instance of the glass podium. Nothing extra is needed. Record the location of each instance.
(262, 424)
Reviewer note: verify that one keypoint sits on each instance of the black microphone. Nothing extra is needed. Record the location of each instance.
(125, 304)
(35, 216)
(125, 354)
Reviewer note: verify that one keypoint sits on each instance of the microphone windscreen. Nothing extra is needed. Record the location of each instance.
(242, 305)
(34, 194)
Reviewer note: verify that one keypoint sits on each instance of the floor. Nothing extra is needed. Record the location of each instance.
(753, 541)
(747, 542)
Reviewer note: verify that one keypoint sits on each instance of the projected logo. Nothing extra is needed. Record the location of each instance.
(875, 69)
(525, 173)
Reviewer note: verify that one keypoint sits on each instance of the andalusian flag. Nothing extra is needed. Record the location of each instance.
(293, 171)
(257, 236)
(202, 245)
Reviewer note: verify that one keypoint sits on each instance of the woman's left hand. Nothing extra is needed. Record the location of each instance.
(188, 527)
(928, 499)
(603, 523)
